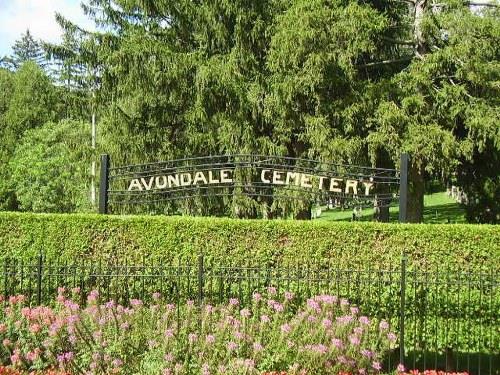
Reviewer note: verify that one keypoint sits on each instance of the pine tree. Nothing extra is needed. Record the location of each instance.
(26, 49)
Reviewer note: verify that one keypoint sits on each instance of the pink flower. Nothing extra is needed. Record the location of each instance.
(117, 363)
(65, 357)
(401, 368)
(249, 363)
(286, 328)
(318, 348)
(313, 304)
(358, 330)
(156, 296)
(169, 333)
(210, 339)
(271, 290)
(168, 357)
(135, 302)
(257, 346)
(346, 319)
(245, 313)
(289, 296)
(6, 342)
(337, 343)
(35, 328)
(327, 323)
(366, 353)
(354, 340)
(93, 296)
(33, 356)
(153, 344)
(15, 358)
(233, 302)
(265, 319)
(391, 337)
(257, 297)
(383, 325)
(376, 365)
(278, 307)
(192, 337)
(232, 346)
(364, 320)
(354, 310)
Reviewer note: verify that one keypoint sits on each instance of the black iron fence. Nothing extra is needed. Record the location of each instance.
(446, 318)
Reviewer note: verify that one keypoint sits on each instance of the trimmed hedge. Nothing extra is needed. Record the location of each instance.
(24, 235)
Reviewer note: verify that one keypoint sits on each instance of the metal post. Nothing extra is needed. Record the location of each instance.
(403, 187)
(200, 279)
(39, 279)
(5, 279)
(93, 165)
(402, 310)
(103, 186)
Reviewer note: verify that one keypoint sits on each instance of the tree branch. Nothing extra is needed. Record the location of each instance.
(482, 4)
(396, 41)
(386, 62)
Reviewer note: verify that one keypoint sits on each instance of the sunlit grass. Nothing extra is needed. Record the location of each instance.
(438, 208)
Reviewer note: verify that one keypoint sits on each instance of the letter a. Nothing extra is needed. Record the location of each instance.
(135, 185)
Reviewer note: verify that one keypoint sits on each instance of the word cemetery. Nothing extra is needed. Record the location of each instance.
(266, 176)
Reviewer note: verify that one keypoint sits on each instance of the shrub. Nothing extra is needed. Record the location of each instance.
(326, 335)
(348, 245)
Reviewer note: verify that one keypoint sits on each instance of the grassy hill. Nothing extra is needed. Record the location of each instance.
(438, 208)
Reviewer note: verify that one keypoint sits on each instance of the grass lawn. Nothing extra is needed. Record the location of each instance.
(438, 208)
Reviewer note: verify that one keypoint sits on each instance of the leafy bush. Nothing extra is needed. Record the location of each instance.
(51, 168)
(326, 335)
(273, 242)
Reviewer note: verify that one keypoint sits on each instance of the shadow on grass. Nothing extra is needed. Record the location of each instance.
(444, 213)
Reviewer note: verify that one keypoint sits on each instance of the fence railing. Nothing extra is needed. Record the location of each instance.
(446, 318)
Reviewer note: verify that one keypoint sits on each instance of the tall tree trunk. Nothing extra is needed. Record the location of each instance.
(420, 46)
(416, 190)
(304, 213)
(381, 206)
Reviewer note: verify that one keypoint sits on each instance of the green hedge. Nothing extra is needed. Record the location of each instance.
(24, 235)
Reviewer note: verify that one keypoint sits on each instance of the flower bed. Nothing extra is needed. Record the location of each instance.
(325, 335)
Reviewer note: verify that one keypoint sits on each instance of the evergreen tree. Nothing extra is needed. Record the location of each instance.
(336, 80)
(26, 49)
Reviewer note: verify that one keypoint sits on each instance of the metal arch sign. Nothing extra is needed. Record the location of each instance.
(242, 175)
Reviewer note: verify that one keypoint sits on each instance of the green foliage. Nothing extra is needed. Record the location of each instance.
(29, 101)
(273, 242)
(32, 104)
(25, 49)
(50, 168)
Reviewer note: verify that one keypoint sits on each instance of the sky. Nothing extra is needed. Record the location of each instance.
(39, 17)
